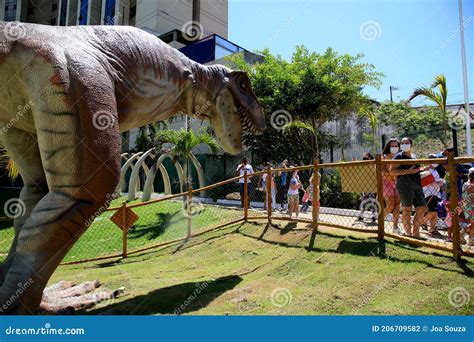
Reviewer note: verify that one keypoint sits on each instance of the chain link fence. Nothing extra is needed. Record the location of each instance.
(409, 200)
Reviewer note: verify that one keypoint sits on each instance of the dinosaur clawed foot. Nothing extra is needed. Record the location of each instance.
(65, 298)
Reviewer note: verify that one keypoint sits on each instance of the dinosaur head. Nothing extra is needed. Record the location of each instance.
(234, 109)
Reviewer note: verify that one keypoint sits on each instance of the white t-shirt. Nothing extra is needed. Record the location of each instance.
(247, 168)
(294, 181)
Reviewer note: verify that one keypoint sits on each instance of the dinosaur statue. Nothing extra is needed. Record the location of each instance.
(66, 95)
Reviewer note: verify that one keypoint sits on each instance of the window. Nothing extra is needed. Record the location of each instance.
(133, 11)
(10, 10)
(83, 11)
(109, 15)
(62, 15)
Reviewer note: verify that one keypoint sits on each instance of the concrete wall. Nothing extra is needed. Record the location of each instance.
(166, 15)
(159, 16)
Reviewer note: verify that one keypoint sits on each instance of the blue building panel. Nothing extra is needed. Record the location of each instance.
(83, 12)
(109, 15)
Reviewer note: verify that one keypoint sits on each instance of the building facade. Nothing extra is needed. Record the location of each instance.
(154, 16)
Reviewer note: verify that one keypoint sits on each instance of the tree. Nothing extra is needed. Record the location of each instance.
(412, 122)
(311, 89)
(372, 117)
(184, 143)
(8, 164)
(439, 98)
(146, 136)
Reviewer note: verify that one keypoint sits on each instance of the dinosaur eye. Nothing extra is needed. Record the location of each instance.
(243, 85)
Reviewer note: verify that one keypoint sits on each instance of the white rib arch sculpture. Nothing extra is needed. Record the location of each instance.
(150, 174)
(147, 189)
(122, 186)
(134, 178)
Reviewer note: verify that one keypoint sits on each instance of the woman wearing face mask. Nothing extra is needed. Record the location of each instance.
(409, 188)
(390, 194)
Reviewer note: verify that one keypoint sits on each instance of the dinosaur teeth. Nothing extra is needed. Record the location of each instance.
(247, 123)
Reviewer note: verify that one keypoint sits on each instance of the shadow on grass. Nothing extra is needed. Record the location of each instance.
(152, 230)
(176, 299)
(369, 247)
(6, 224)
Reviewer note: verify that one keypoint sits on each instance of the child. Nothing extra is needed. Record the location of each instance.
(294, 194)
(273, 189)
(468, 205)
(308, 195)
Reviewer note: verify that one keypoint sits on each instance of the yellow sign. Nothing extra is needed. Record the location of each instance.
(358, 178)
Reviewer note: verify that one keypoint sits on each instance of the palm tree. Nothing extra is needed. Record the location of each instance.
(8, 164)
(372, 118)
(439, 97)
(299, 127)
(184, 143)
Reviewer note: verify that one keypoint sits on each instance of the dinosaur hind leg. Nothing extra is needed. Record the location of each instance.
(80, 178)
(23, 149)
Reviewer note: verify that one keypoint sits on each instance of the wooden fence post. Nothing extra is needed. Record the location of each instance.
(124, 230)
(269, 194)
(454, 207)
(246, 195)
(189, 210)
(315, 199)
(380, 199)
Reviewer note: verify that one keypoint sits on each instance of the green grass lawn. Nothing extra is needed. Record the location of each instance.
(235, 271)
(159, 222)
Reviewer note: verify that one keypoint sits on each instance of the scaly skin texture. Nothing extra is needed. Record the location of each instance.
(66, 94)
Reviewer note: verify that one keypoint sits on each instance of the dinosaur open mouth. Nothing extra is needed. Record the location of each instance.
(248, 126)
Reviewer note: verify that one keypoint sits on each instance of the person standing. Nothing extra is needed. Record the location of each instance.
(282, 186)
(432, 183)
(468, 204)
(294, 194)
(272, 187)
(243, 167)
(390, 194)
(409, 188)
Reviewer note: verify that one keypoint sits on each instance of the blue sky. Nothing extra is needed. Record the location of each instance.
(410, 41)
